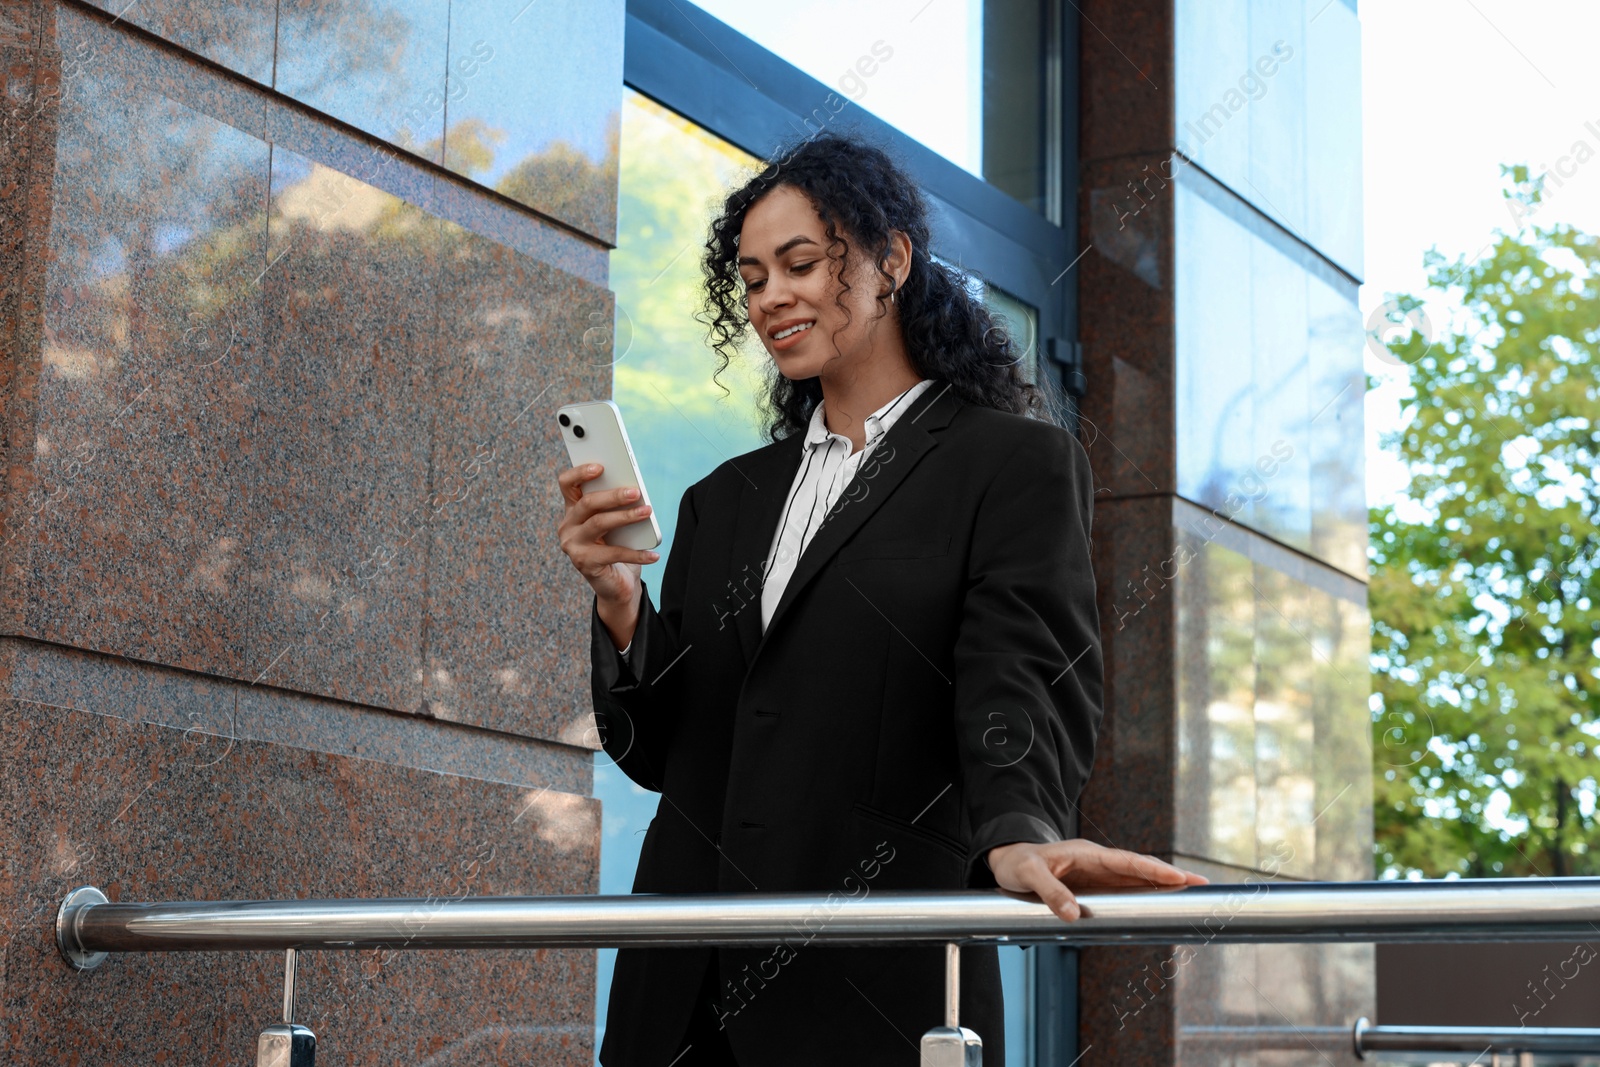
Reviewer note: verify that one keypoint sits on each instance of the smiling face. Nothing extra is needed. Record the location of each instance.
(790, 282)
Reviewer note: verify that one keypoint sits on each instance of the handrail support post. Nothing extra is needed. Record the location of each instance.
(288, 985)
(952, 1045)
(287, 1044)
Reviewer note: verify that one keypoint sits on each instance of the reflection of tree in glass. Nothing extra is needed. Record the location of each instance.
(1485, 621)
(1217, 632)
(673, 175)
(1287, 660)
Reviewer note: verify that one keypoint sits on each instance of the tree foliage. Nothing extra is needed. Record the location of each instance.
(1483, 591)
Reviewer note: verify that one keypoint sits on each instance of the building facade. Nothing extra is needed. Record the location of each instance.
(292, 292)
(1220, 181)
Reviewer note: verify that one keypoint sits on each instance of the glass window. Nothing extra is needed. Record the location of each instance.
(1021, 322)
(1269, 366)
(1268, 99)
(1272, 715)
(964, 77)
(1338, 394)
(1016, 984)
(1243, 433)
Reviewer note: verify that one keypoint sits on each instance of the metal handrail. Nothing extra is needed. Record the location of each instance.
(1477, 910)
(88, 926)
(1430, 1044)
(1395, 1044)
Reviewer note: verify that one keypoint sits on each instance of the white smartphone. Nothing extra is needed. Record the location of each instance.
(594, 433)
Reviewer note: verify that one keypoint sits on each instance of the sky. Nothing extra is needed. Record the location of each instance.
(1450, 90)
(915, 63)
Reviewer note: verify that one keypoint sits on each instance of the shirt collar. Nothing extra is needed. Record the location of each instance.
(877, 423)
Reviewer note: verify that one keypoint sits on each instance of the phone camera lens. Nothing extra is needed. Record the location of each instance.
(563, 419)
(577, 431)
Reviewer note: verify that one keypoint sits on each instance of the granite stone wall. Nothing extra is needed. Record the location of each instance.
(290, 289)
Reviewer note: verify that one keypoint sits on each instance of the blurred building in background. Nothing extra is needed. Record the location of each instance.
(291, 292)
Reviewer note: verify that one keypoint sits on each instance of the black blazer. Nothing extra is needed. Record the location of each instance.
(929, 687)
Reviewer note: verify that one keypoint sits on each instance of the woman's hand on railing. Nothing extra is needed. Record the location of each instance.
(1053, 871)
(612, 572)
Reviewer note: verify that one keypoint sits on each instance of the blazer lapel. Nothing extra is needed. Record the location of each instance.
(897, 454)
(766, 487)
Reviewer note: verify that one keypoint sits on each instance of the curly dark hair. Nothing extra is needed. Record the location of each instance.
(861, 193)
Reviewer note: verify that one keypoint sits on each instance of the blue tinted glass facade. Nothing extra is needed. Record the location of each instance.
(1269, 378)
(1268, 99)
(1273, 777)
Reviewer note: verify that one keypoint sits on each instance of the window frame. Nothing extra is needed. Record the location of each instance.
(699, 67)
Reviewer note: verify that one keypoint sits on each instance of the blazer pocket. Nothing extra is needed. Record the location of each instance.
(933, 837)
(896, 548)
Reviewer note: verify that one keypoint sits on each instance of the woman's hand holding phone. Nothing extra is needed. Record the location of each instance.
(612, 572)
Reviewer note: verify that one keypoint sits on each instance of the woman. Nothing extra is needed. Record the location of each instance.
(876, 662)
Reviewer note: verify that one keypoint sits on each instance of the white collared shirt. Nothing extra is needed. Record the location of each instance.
(825, 470)
(827, 467)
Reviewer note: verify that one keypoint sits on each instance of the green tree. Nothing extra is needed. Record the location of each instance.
(1483, 592)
